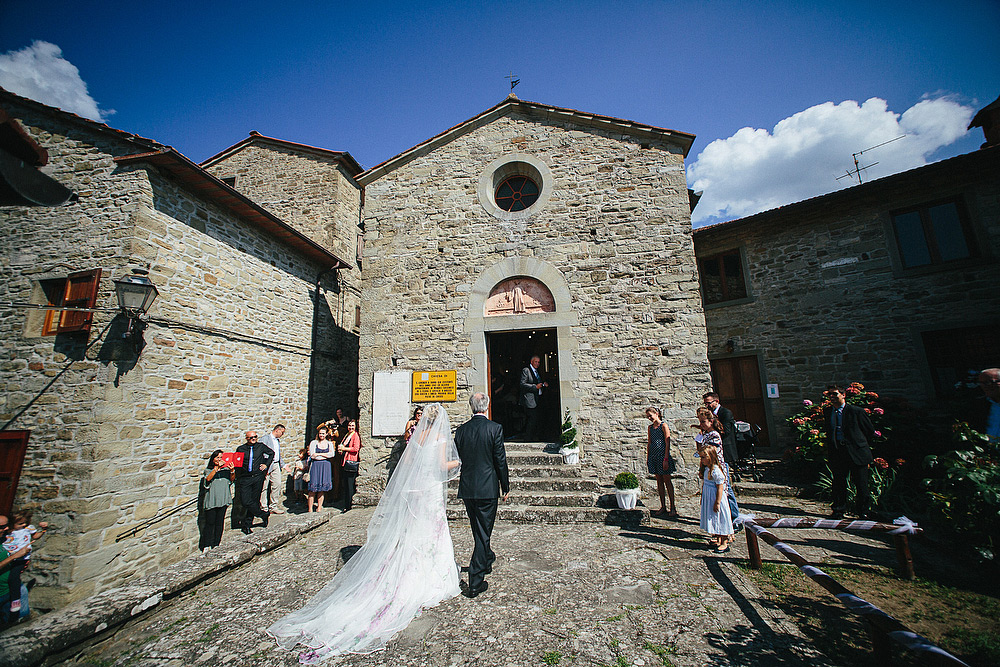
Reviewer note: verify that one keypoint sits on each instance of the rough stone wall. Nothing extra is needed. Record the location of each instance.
(119, 440)
(616, 226)
(316, 197)
(827, 304)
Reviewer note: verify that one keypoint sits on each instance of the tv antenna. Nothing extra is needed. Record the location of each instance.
(514, 80)
(856, 172)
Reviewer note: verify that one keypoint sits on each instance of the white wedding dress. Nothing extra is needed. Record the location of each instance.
(407, 563)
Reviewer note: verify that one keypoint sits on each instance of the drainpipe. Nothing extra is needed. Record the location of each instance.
(314, 347)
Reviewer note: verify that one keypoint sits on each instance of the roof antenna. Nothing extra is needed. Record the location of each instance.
(513, 82)
(856, 172)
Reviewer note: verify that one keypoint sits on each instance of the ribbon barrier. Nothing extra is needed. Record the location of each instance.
(899, 529)
(880, 625)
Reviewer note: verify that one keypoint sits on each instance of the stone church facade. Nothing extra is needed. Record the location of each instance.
(608, 237)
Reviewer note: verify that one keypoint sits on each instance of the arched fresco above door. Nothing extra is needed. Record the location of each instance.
(519, 295)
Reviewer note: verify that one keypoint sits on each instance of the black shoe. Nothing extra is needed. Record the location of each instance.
(246, 530)
(266, 517)
(473, 592)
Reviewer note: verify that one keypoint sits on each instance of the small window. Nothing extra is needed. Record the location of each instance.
(953, 353)
(357, 317)
(722, 277)
(229, 180)
(77, 290)
(933, 234)
(516, 193)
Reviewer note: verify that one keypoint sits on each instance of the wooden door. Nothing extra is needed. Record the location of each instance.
(12, 447)
(737, 381)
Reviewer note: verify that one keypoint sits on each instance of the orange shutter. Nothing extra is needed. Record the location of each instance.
(81, 292)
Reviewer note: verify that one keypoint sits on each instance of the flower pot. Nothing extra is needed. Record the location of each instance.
(570, 456)
(627, 498)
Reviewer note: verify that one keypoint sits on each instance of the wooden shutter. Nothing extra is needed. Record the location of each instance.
(81, 292)
(12, 447)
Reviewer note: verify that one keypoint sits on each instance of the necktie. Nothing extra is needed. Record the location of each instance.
(250, 458)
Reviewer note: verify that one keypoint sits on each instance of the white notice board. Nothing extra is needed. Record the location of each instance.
(390, 403)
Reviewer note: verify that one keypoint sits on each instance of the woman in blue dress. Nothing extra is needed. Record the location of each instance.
(321, 453)
(659, 462)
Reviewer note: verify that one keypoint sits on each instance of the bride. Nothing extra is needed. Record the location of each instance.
(407, 563)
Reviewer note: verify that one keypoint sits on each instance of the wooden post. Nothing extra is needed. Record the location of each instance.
(904, 557)
(753, 549)
(881, 649)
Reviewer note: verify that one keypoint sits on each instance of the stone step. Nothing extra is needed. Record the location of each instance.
(546, 471)
(535, 484)
(563, 515)
(532, 459)
(543, 499)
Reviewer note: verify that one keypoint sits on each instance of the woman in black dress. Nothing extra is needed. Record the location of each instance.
(659, 462)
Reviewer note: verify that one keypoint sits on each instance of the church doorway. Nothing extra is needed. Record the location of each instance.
(507, 354)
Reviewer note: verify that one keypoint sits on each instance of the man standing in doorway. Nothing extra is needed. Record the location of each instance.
(849, 432)
(270, 495)
(479, 442)
(250, 478)
(531, 392)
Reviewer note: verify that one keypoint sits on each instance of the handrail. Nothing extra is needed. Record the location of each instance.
(880, 624)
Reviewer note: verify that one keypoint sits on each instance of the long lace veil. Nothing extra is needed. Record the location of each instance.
(406, 564)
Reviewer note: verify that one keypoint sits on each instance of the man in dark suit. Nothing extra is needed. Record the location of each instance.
(728, 421)
(531, 392)
(848, 434)
(257, 458)
(484, 475)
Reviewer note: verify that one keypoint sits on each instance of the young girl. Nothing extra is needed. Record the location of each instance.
(298, 470)
(710, 433)
(715, 516)
(22, 534)
(659, 462)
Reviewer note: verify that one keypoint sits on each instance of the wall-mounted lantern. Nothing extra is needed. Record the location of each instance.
(136, 294)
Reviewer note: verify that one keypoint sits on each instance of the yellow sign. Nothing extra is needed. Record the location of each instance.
(435, 387)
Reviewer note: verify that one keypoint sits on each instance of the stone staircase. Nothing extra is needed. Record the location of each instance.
(543, 489)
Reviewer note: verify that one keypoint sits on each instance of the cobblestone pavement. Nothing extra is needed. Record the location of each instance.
(580, 594)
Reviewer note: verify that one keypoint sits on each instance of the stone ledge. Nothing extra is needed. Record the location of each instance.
(57, 634)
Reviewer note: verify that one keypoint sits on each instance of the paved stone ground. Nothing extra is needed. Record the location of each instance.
(580, 594)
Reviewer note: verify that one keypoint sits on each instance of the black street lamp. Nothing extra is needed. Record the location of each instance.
(136, 294)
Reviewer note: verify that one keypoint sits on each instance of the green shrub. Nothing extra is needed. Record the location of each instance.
(568, 436)
(964, 488)
(626, 480)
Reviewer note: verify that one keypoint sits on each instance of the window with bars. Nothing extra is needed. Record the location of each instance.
(722, 277)
(932, 234)
(77, 290)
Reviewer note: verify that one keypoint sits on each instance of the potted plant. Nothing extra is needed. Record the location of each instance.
(570, 450)
(626, 490)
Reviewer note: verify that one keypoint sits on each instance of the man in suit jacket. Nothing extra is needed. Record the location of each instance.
(270, 493)
(848, 434)
(484, 475)
(531, 391)
(250, 476)
(728, 421)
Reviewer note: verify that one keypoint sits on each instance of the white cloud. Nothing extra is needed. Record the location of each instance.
(41, 73)
(755, 170)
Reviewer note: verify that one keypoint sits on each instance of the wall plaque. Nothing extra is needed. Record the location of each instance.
(435, 387)
(390, 403)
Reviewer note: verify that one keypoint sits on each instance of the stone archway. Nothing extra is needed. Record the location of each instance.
(561, 318)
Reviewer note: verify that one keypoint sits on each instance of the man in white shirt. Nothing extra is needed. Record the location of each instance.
(270, 495)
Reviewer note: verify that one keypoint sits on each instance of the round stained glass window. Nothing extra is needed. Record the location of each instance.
(516, 193)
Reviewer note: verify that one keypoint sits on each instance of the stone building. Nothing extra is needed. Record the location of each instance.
(892, 283)
(536, 230)
(251, 307)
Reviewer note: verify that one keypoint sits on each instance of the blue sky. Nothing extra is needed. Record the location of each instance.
(376, 78)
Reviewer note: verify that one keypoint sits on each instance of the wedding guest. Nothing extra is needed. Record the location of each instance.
(7, 558)
(715, 517)
(400, 445)
(250, 479)
(21, 535)
(350, 447)
(217, 480)
(321, 452)
(270, 495)
(298, 471)
(659, 462)
(711, 431)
